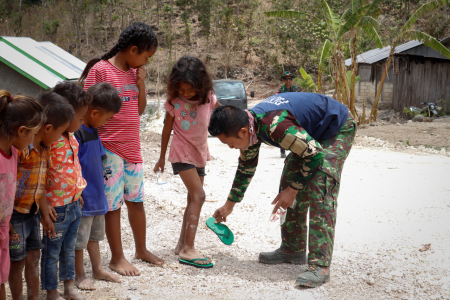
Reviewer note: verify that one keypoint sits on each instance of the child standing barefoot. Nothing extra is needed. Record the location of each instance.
(21, 117)
(123, 67)
(63, 194)
(32, 168)
(105, 104)
(189, 105)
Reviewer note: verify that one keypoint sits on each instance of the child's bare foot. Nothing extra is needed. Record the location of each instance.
(104, 275)
(149, 257)
(84, 284)
(188, 255)
(178, 248)
(71, 293)
(53, 295)
(123, 267)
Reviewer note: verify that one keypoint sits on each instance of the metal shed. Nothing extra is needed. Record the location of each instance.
(417, 74)
(30, 67)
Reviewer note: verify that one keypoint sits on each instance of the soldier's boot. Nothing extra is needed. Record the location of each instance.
(314, 276)
(281, 256)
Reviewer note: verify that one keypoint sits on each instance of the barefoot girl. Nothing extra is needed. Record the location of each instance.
(21, 117)
(189, 105)
(123, 67)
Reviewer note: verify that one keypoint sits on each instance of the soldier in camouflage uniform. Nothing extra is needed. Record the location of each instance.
(319, 131)
(287, 87)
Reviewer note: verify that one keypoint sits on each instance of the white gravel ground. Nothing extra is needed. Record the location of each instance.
(391, 204)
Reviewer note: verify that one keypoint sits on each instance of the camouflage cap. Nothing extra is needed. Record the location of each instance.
(287, 73)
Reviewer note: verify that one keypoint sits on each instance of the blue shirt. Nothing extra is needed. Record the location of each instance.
(90, 155)
(321, 116)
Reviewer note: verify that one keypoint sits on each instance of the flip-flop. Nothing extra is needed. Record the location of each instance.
(223, 232)
(191, 262)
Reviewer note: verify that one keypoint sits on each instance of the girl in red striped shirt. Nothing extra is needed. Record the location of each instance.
(123, 67)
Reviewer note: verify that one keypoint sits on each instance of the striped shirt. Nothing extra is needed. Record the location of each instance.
(32, 169)
(121, 134)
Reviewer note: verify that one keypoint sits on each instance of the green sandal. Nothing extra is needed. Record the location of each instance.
(191, 262)
(223, 232)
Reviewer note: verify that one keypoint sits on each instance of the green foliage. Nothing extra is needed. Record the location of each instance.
(50, 28)
(307, 81)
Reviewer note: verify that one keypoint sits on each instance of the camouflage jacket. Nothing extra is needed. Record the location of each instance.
(279, 128)
(293, 88)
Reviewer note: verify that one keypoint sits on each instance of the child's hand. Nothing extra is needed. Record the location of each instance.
(160, 165)
(141, 73)
(48, 226)
(52, 214)
(81, 202)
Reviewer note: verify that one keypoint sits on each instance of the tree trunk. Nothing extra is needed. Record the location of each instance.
(354, 70)
(373, 113)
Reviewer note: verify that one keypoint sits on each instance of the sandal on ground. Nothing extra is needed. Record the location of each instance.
(191, 262)
(223, 232)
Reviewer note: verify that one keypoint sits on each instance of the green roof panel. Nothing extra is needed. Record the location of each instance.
(27, 67)
(49, 56)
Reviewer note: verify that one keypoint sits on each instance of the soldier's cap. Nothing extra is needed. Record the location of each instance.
(287, 73)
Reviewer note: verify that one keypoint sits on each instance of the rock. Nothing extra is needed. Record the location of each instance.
(370, 281)
(418, 118)
(409, 121)
(374, 124)
(426, 119)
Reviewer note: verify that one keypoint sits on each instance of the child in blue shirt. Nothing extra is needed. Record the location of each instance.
(105, 104)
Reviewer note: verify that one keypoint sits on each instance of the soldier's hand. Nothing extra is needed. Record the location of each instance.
(284, 199)
(223, 212)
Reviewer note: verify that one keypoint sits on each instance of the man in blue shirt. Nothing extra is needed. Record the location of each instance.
(319, 131)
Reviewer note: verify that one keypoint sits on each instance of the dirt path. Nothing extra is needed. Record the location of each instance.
(391, 204)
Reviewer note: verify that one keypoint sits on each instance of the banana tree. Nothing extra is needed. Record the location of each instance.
(359, 16)
(407, 32)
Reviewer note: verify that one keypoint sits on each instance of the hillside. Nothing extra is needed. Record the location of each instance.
(234, 37)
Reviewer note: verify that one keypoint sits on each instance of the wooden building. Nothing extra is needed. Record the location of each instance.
(417, 74)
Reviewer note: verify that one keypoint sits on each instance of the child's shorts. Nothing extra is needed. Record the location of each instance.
(26, 235)
(123, 180)
(90, 229)
(178, 167)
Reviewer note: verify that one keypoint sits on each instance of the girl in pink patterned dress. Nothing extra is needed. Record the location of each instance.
(189, 105)
(21, 117)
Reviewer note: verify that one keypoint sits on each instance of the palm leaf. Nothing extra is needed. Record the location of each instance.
(373, 35)
(427, 7)
(429, 41)
(374, 8)
(325, 49)
(347, 14)
(288, 14)
(369, 21)
(332, 18)
(309, 81)
(356, 4)
(352, 21)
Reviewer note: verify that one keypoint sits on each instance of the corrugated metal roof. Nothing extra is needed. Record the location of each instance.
(48, 55)
(372, 56)
(27, 67)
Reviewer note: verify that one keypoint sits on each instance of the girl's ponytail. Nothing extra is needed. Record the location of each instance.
(19, 111)
(139, 35)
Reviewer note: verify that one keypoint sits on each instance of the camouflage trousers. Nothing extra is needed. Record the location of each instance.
(320, 197)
